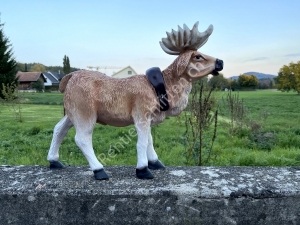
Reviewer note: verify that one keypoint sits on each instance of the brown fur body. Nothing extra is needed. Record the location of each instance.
(92, 97)
(120, 102)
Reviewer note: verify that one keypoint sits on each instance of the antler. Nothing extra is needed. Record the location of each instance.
(185, 39)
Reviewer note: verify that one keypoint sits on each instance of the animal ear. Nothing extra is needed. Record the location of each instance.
(182, 61)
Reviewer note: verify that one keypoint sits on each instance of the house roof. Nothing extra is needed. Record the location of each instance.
(29, 76)
(128, 67)
(50, 77)
(58, 76)
(53, 78)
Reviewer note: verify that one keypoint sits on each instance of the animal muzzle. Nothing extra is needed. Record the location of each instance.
(219, 67)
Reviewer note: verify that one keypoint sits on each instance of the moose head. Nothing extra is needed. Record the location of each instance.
(185, 43)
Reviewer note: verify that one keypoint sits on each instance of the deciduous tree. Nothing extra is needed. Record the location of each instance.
(7, 62)
(248, 81)
(233, 85)
(38, 68)
(218, 82)
(38, 85)
(289, 77)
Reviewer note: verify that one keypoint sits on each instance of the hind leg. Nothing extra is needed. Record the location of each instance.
(83, 139)
(60, 131)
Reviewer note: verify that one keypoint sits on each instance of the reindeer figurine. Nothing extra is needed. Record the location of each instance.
(91, 97)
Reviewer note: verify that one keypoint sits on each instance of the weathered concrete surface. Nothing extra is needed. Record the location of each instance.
(178, 195)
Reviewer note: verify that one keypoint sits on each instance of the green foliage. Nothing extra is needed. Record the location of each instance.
(12, 97)
(233, 85)
(38, 68)
(66, 65)
(218, 82)
(262, 140)
(243, 127)
(34, 130)
(7, 62)
(20, 67)
(38, 85)
(266, 83)
(271, 113)
(248, 81)
(289, 77)
(197, 139)
(234, 108)
(43, 98)
(57, 69)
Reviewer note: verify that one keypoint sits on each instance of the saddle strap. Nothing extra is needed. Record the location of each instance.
(156, 78)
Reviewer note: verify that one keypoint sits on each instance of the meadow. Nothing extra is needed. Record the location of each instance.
(271, 136)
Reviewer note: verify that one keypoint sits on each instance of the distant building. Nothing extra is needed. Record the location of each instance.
(27, 78)
(125, 72)
(53, 80)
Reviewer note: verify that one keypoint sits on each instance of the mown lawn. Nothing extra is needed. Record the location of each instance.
(277, 113)
(45, 98)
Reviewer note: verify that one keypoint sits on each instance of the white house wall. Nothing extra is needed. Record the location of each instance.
(48, 83)
(124, 73)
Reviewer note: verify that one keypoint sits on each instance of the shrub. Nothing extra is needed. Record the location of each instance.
(198, 138)
(262, 140)
(34, 130)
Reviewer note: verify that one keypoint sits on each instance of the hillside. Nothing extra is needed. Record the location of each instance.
(257, 74)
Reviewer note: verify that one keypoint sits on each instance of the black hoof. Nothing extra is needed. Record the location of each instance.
(144, 173)
(158, 165)
(100, 175)
(54, 165)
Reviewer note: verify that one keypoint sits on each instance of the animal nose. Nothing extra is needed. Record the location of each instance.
(219, 65)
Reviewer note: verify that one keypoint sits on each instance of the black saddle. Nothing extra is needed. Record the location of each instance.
(156, 78)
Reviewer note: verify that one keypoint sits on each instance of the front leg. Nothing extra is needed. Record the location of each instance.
(153, 162)
(143, 131)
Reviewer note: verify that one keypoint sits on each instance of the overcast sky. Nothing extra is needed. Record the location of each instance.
(256, 35)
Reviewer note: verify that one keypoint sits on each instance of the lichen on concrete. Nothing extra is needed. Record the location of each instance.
(177, 195)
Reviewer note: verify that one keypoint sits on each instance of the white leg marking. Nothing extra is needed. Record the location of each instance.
(151, 154)
(83, 139)
(143, 130)
(60, 131)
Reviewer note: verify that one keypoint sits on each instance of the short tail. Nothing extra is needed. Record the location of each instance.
(63, 83)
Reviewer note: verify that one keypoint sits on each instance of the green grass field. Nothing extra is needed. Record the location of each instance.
(277, 113)
(42, 98)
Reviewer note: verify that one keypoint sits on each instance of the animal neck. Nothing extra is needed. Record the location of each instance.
(176, 86)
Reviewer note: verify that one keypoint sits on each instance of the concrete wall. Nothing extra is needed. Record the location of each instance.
(178, 195)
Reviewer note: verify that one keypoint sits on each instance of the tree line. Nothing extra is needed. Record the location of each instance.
(38, 67)
(288, 76)
(244, 82)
